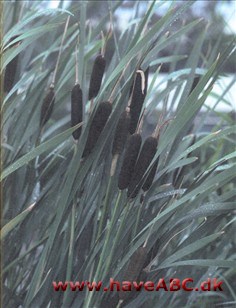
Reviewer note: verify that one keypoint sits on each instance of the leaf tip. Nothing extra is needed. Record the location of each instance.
(31, 206)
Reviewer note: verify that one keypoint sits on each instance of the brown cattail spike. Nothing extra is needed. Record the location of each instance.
(47, 106)
(121, 133)
(49, 100)
(11, 68)
(96, 76)
(139, 92)
(130, 157)
(151, 175)
(146, 156)
(134, 268)
(76, 109)
(99, 120)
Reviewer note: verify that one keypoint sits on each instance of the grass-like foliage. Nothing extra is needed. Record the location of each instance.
(64, 216)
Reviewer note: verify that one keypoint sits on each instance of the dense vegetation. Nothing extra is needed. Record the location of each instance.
(64, 216)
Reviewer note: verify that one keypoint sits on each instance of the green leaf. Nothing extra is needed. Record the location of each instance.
(203, 262)
(53, 142)
(15, 221)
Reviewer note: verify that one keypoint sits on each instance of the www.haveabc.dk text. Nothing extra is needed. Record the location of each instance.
(173, 284)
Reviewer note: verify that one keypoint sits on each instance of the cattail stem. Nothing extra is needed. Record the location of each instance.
(103, 44)
(114, 164)
(105, 40)
(60, 51)
(76, 64)
(159, 127)
(91, 106)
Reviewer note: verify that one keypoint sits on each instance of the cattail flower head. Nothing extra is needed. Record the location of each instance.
(139, 92)
(96, 76)
(129, 161)
(99, 120)
(134, 268)
(76, 109)
(151, 175)
(47, 106)
(146, 156)
(121, 133)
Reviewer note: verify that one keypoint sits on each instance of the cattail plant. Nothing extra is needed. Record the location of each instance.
(11, 68)
(76, 109)
(98, 68)
(49, 100)
(139, 92)
(130, 158)
(151, 175)
(47, 107)
(145, 158)
(120, 137)
(121, 133)
(76, 102)
(99, 120)
(134, 268)
(96, 76)
(146, 155)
